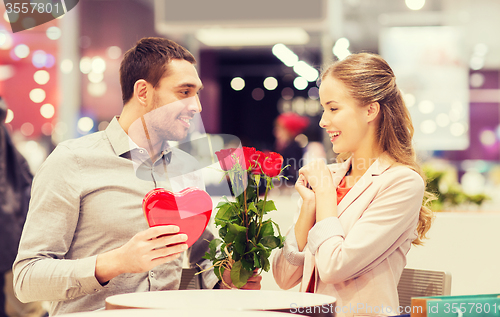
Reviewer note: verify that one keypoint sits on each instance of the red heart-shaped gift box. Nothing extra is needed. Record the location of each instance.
(189, 209)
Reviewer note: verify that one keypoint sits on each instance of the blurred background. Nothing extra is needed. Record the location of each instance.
(259, 59)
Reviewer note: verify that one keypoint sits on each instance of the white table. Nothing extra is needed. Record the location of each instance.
(236, 300)
(173, 312)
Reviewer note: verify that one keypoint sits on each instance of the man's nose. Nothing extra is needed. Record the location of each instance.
(196, 105)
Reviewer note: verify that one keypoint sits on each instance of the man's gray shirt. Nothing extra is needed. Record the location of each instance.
(87, 200)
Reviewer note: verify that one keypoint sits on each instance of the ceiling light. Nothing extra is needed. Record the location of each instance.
(286, 55)
(305, 70)
(415, 4)
(252, 36)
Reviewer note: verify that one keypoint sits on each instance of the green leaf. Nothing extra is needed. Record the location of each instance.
(270, 241)
(264, 260)
(225, 212)
(240, 243)
(247, 263)
(239, 276)
(212, 246)
(256, 260)
(219, 271)
(267, 229)
(252, 209)
(223, 232)
(269, 206)
(234, 228)
(252, 230)
(233, 231)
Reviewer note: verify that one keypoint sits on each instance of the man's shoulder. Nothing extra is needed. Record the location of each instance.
(84, 142)
(79, 147)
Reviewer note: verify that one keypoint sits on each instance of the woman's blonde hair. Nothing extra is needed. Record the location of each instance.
(370, 79)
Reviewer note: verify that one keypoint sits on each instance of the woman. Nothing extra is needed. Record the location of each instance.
(359, 217)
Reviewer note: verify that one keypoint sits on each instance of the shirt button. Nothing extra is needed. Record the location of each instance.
(151, 274)
(141, 151)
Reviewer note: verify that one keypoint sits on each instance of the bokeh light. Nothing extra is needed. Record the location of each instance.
(47, 111)
(97, 89)
(428, 126)
(114, 52)
(98, 65)
(300, 83)
(41, 77)
(95, 77)
(270, 83)
(66, 66)
(53, 33)
(85, 124)
(27, 129)
(487, 137)
(237, 83)
(258, 94)
(426, 106)
(85, 64)
(415, 4)
(10, 116)
(37, 95)
(313, 93)
(22, 51)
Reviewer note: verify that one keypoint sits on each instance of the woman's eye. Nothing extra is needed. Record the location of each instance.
(333, 109)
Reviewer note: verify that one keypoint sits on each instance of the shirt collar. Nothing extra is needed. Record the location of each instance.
(122, 143)
(117, 137)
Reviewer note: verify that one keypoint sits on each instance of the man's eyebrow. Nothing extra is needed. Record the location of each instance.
(189, 85)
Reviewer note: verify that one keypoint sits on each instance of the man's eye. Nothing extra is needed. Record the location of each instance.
(185, 92)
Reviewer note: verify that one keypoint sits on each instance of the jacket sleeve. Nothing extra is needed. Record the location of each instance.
(41, 271)
(288, 262)
(388, 221)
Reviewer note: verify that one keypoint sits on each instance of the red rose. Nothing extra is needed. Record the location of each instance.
(248, 152)
(272, 164)
(229, 157)
(258, 161)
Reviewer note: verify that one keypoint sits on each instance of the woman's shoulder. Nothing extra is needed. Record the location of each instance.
(398, 172)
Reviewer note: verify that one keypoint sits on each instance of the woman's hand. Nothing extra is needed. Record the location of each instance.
(305, 190)
(252, 283)
(317, 175)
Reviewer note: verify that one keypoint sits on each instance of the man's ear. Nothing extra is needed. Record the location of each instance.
(373, 110)
(142, 92)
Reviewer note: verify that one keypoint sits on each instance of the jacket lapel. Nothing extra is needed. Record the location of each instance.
(375, 169)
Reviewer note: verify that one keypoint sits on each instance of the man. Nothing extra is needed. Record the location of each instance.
(86, 237)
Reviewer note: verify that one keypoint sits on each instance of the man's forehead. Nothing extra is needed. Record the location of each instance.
(181, 73)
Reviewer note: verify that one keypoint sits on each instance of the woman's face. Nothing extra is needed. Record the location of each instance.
(343, 119)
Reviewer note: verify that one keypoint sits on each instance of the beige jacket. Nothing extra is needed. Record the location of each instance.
(359, 256)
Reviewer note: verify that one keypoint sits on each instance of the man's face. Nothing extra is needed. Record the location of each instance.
(175, 102)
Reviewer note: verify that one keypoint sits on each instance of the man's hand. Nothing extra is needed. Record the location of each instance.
(253, 282)
(146, 250)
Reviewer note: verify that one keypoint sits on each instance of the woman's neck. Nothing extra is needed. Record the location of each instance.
(360, 162)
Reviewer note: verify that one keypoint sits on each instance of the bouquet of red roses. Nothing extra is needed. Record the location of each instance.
(246, 240)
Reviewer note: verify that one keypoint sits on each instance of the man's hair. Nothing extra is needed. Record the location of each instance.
(148, 60)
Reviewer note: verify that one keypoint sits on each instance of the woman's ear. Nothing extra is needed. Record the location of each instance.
(141, 90)
(373, 110)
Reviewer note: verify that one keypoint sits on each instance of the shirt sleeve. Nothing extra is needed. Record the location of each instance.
(388, 221)
(288, 262)
(41, 271)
